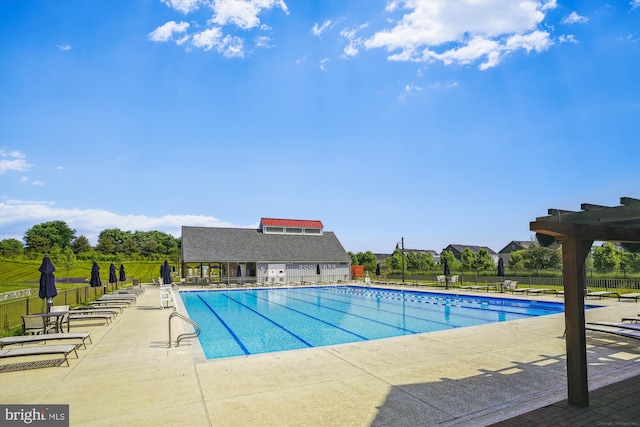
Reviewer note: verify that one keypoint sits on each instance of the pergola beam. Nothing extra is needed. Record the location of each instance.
(577, 231)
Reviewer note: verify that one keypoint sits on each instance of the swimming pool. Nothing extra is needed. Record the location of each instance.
(251, 321)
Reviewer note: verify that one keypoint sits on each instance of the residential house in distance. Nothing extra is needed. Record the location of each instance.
(457, 251)
(514, 245)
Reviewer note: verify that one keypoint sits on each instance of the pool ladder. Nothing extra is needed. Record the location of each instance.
(185, 335)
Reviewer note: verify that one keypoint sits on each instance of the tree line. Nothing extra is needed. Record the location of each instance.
(58, 239)
(602, 259)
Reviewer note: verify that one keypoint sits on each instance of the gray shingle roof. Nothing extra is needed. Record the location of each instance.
(208, 244)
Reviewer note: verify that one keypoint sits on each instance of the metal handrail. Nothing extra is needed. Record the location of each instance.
(187, 334)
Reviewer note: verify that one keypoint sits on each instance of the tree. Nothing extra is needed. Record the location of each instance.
(395, 261)
(110, 240)
(64, 258)
(540, 258)
(368, 260)
(467, 259)
(606, 258)
(517, 259)
(47, 234)
(11, 247)
(129, 247)
(449, 256)
(482, 260)
(81, 245)
(420, 261)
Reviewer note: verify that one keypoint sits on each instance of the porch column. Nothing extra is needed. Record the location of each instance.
(574, 252)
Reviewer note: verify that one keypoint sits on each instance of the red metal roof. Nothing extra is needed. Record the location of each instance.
(279, 222)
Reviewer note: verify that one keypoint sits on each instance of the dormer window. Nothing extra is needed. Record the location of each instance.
(291, 226)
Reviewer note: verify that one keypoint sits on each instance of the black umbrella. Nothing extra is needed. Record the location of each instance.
(500, 267)
(238, 272)
(113, 277)
(377, 269)
(165, 270)
(123, 276)
(447, 273)
(47, 282)
(95, 275)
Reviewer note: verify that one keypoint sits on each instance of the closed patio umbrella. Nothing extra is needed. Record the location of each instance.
(447, 273)
(165, 271)
(47, 282)
(501, 272)
(317, 272)
(238, 272)
(123, 276)
(113, 278)
(378, 269)
(95, 275)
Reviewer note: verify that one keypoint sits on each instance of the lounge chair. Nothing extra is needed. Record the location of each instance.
(631, 319)
(541, 290)
(25, 339)
(633, 295)
(624, 332)
(34, 324)
(633, 326)
(90, 316)
(62, 319)
(109, 304)
(97, 309)
(601, 294)
(63, 350)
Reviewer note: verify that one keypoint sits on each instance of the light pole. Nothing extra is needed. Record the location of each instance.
(402, 253)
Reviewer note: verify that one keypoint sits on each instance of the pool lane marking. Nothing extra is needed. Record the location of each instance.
(366, 307)
(339, 311)
(235, 337)
(310, 316)
(302, 340)
(462, 302)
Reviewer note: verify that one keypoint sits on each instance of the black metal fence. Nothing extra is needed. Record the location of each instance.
(11, 312)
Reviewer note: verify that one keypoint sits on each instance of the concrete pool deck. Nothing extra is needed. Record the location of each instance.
(468, 376)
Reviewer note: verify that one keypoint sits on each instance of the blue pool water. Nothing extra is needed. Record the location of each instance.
(250, 321)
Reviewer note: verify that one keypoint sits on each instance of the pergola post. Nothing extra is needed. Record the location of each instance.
(574, 252)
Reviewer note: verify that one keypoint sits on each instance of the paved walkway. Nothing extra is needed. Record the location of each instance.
(473, 376)
(613, 405)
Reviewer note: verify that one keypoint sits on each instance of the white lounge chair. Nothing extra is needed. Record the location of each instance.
(63, 350)
(25, 339)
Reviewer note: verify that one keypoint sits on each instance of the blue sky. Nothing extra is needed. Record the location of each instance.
(443, 122)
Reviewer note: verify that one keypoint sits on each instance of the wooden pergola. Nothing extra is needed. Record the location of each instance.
(577, 231)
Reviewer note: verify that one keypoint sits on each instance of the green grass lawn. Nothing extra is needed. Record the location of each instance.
(20, 275)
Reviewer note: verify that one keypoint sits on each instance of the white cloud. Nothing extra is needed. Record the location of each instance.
(38, 183)
(634, 4)
(574, 18)
(165, 32)
(318, 30)
(263, 42)
(323, 63)
(208, 39)
(17, 216)
(12, 161)
(243, 13)
(567, 38)
(184, 6)
(64, 46)
(452, 31)
(350, 34)
(408, 90)
(213, 38)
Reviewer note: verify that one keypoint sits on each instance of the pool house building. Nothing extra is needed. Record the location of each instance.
(279, 252)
